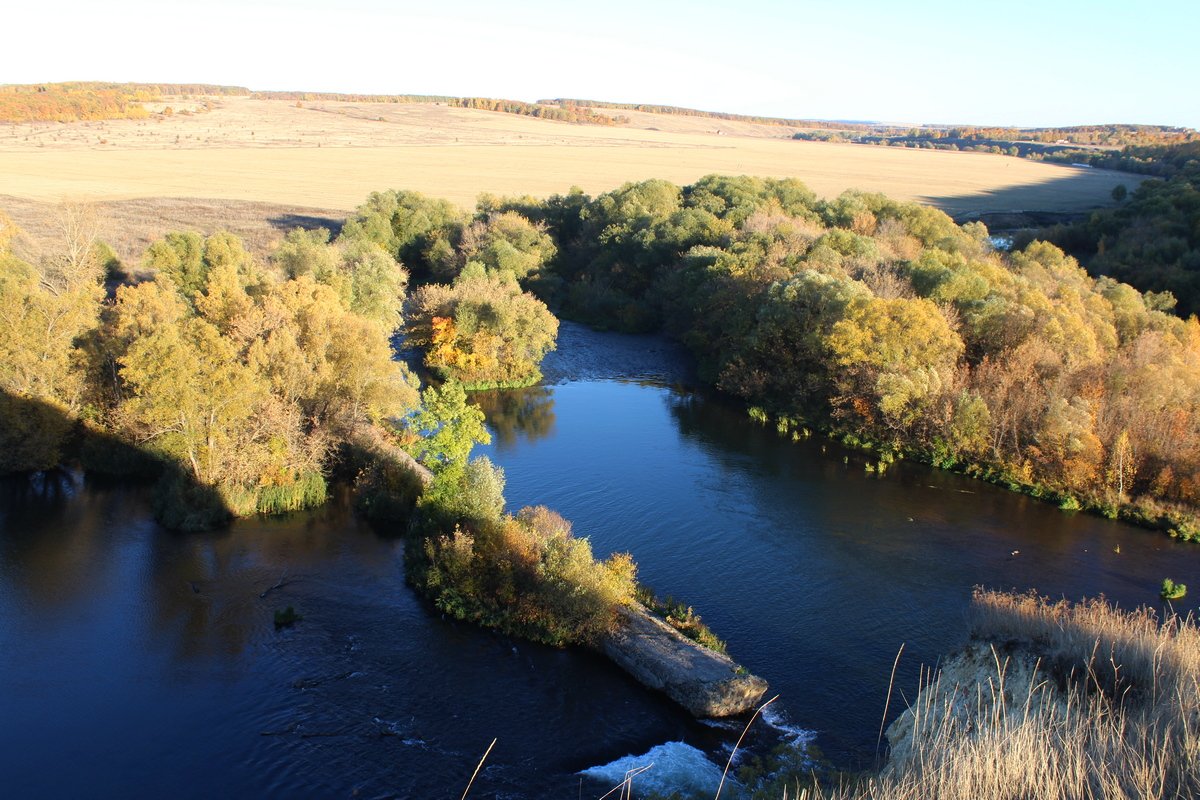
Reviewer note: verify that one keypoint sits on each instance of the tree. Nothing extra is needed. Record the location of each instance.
(180, 257)
(44, 313)
(418, 231)
(75, 262)
(190, 398)
(895, 357)
(508, 242)
(1122, 465)
(443, 430)
(483, 330)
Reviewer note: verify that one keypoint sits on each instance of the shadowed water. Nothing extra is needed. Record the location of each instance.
(136, 662)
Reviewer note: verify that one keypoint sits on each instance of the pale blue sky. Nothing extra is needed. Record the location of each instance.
(1017, 63)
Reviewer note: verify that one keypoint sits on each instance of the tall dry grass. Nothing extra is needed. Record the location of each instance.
(1053, 700)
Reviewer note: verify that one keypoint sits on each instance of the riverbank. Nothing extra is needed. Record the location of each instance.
(1052, 700)
(1144, 512)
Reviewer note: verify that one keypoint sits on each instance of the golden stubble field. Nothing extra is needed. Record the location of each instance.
(331, 155)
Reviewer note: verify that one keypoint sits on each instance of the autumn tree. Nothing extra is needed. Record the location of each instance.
(245, 383)
(45, 309)
(483, 330)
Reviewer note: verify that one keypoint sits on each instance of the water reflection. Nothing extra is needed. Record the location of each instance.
(814, 571)
(526, 414)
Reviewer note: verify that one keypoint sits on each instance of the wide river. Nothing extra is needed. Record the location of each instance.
(135, 662)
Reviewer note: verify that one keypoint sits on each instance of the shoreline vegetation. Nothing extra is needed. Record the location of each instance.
(1048, 699)
(242, 388)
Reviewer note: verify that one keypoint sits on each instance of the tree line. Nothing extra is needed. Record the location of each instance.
(86, 100)
(1151, 240)
(1081, 145)
(559, 112)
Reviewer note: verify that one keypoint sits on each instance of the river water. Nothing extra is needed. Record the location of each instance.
(137, 662)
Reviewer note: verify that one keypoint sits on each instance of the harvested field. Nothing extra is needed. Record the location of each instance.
(330, 155)
(129, 226)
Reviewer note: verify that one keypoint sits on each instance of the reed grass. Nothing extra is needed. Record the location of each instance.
(1055, 701)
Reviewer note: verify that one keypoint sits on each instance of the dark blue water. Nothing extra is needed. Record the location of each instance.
(135, 662)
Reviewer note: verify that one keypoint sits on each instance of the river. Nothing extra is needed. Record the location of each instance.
(140, 662)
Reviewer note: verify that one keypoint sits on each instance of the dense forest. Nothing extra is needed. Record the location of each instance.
(1152, 239)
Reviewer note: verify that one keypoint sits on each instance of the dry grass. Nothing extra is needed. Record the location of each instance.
(331, 155)
(129, 226)
(1111, 709)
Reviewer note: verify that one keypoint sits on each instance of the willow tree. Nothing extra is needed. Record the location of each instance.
(44, 311)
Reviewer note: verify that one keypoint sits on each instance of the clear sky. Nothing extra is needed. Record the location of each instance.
(1019, 63)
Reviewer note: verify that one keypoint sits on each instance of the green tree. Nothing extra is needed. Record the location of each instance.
(419, 231)
(442, 432)
(508, 242)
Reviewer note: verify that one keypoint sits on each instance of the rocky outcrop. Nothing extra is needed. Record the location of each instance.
(973, 690)
(704, 682)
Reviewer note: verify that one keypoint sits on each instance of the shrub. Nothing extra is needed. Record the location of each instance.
(528, 576)
(180, 503)
(1172, 590)
(286, 617)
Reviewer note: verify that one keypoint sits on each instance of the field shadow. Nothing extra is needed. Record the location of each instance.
(309, 222)
(1076, 192)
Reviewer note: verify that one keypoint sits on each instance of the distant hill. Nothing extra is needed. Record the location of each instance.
(1108, 135)
(564, 112)
(95, 100)
(692, 112)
